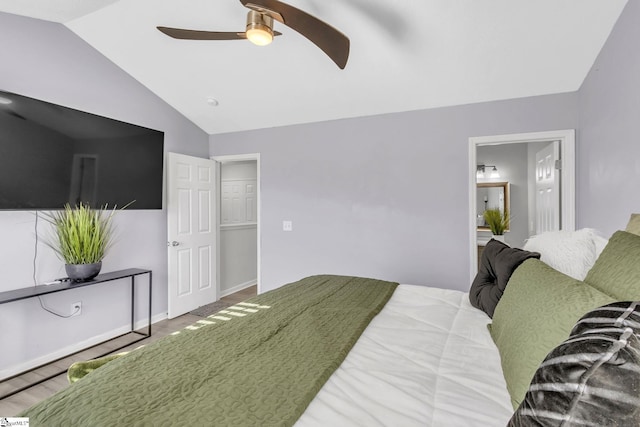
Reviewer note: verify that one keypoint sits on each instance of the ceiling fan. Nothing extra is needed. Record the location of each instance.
(259, 29)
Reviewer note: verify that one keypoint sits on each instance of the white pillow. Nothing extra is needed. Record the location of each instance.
(600, 242)
(570, 252)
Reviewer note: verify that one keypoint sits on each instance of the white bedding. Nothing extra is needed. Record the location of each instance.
(426, 359)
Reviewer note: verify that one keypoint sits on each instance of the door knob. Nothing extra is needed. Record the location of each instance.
(173, 243)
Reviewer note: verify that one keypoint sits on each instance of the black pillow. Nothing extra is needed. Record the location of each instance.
(591, 379)
(497, 263)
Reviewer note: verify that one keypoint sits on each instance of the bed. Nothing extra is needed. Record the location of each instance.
(520, 349)
(422, 356)
(426, 360)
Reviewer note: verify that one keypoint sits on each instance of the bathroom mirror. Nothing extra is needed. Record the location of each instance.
(491, 195)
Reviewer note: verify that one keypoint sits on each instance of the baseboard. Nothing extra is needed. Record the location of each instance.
(63, 352)
(154, 319)
(245, 285)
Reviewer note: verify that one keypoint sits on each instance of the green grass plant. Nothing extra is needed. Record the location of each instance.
(81, 235)
(497, 221)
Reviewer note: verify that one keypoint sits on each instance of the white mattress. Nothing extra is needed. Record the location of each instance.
(426, 359)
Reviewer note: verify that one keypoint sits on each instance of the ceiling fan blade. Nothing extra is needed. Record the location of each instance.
(179, 33)
(331, 41)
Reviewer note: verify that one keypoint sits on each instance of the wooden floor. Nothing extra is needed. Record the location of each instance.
(16, 403)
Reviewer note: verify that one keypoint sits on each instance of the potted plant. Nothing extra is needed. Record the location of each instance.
(497, 221)
(81, 238)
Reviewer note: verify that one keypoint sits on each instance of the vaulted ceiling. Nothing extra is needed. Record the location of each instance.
(405, 55)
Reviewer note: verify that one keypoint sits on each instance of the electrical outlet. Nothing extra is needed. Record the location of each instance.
(76, 309)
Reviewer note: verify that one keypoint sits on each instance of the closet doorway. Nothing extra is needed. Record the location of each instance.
(527, 216)
(239, 223)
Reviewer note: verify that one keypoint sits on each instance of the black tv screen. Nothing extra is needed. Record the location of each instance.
(51, 155)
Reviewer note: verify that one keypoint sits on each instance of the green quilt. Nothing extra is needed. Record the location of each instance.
(258, 363)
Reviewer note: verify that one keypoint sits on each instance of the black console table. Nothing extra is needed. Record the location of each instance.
(35, 291)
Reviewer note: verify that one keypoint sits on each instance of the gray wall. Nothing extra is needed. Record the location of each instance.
(383, 196)
(46, 61)
(386, 196)
(608, 148)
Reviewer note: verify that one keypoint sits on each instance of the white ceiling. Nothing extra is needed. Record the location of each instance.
(405, 55)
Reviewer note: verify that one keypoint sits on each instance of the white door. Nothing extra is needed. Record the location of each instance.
(191, 185)
(548, 188)
(238, 202)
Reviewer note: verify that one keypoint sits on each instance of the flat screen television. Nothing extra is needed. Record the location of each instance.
(51, 155)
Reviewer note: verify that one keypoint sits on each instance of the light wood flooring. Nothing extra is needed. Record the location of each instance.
(12, 405)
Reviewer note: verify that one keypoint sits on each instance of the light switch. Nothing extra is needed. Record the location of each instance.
(287, 226)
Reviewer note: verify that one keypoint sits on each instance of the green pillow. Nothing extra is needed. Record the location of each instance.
(617, 269)
(633, 226)
(539, 308)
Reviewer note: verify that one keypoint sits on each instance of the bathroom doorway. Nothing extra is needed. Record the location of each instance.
(495, 149)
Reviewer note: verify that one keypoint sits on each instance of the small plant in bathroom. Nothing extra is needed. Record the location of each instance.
(497, 221)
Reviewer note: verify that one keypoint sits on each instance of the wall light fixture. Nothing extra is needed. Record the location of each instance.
(480, 171)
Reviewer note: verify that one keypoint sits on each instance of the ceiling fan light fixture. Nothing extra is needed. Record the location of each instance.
(259, 28)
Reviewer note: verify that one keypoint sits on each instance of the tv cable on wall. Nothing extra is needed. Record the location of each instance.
(35, 280)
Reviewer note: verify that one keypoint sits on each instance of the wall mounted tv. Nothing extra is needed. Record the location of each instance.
(51, 155)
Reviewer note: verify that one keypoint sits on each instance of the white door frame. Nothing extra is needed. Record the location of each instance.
(568, 181)
(241, 158)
